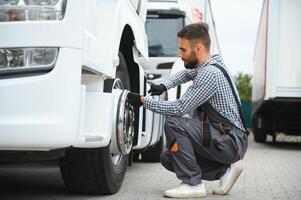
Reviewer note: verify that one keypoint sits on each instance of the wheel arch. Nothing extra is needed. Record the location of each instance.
(103, 37)
(126, 43)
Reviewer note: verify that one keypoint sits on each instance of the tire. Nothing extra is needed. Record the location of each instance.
(92, 171)
(122, 72)
(136, 157)
(153, 153)
(259, 135)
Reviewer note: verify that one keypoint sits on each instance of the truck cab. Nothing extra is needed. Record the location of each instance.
(66, 68)
(164, 19)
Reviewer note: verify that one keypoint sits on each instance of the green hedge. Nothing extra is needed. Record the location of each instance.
(246, 109)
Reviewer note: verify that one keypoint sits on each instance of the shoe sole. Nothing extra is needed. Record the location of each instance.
(234, 178)
(184, 195)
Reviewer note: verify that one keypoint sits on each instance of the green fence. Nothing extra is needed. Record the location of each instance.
(246, 109)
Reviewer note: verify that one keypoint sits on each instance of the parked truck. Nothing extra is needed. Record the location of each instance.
(164, 19)
(66, 68)
(276, 93)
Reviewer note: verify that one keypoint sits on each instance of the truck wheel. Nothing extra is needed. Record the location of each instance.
(136, 157)
(153, 153)
(122, 72)
(259, 136)
(92, 171)
(98, 170)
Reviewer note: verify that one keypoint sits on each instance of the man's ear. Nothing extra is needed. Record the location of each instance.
(199, 47)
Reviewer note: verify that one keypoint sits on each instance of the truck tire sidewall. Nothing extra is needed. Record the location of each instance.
(122, 72)
(118, 171)
(259, 133)
(114, 173)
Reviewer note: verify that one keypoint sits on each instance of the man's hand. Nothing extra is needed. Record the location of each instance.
(157, 89)
(134, 99)
(197, 15)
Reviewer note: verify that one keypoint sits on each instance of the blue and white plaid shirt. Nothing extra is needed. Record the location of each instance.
(209, 85)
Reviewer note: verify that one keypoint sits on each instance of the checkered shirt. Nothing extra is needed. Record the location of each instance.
(209, 85)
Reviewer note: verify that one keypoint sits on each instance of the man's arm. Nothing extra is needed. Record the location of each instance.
(180, 78)
(197, 15)
(201, 91)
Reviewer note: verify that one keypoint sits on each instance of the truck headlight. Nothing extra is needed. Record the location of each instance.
(32, 10)
(16, 60)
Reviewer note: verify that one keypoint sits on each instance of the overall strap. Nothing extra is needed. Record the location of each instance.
(234, 94)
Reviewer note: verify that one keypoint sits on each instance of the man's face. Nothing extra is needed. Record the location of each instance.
(187, 53)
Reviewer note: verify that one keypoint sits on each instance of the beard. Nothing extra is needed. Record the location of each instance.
(192, 61)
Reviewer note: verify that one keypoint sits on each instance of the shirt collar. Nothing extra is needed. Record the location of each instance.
(209, 61)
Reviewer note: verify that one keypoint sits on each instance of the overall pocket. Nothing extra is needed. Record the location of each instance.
(223, 142)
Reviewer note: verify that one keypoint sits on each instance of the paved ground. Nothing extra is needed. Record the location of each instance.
(272, 171)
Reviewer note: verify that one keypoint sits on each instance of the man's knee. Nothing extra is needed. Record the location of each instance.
(171, 129)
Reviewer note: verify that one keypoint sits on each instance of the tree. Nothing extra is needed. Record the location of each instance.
(243, 85)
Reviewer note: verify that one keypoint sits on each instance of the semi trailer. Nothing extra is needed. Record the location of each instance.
(276, 89)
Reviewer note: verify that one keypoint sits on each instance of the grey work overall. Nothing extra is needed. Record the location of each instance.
(197, 158)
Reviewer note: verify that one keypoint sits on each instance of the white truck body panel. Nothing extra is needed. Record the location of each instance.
(277, 61)
(108, 33)
(35, 113)
(276, 91)
(62, 108)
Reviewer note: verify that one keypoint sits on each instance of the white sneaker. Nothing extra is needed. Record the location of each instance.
(187, 191)
(229, 178)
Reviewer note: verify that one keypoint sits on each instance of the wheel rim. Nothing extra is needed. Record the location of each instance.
(124, 125)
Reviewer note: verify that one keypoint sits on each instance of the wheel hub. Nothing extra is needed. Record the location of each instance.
(123, 123)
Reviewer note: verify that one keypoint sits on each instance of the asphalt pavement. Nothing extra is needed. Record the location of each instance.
(272, 171)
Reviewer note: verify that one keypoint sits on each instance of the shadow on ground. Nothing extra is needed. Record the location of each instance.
(33, 180)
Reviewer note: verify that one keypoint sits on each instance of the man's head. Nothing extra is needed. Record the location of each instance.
(194, 44)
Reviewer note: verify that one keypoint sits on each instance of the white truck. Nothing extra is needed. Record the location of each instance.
(66, 67)
(164, 19)
(276, 93)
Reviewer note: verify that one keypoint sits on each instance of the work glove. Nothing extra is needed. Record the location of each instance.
(157, 89)
(134, 99)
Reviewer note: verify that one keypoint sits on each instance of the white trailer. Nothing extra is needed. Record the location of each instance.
(276, 94)
(66, 67)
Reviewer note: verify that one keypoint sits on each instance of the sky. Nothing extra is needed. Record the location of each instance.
(236, 25)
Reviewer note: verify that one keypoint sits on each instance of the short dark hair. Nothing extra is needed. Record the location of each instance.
(196, 32)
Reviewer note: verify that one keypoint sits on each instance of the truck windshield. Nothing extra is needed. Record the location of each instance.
(161, 29)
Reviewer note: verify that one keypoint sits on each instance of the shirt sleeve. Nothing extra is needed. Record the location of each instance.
(202, 89)
(179, 78)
